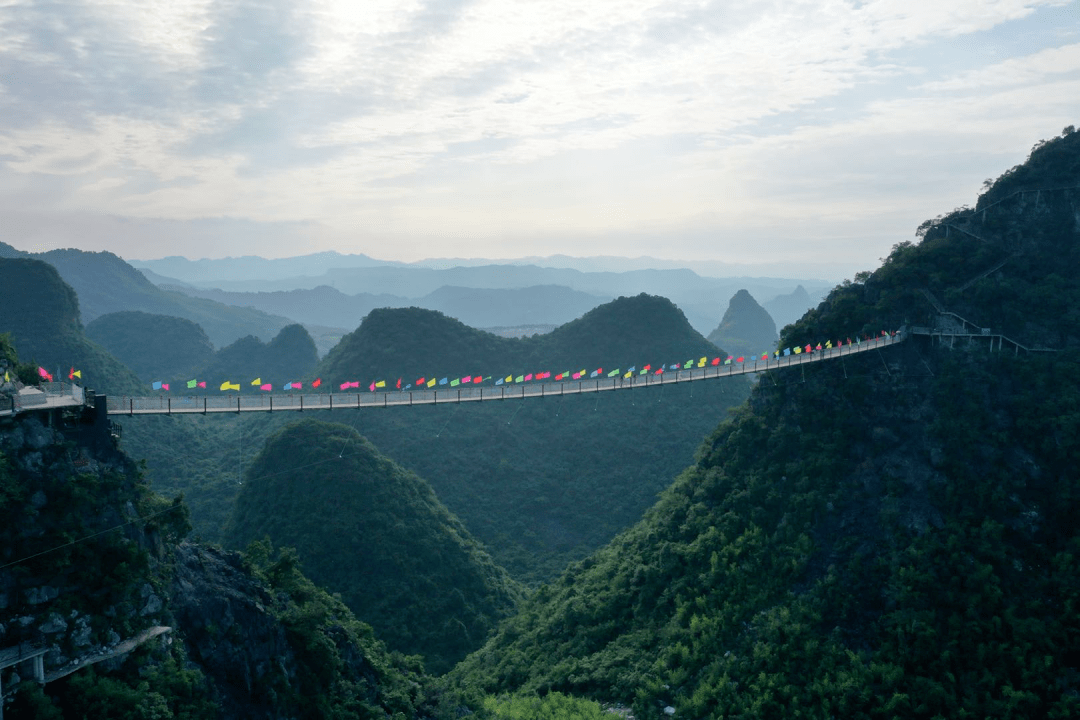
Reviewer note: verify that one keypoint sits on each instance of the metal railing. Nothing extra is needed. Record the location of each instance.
(204, 404)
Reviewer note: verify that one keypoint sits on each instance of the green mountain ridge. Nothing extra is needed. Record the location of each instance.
(42, 314)
(106, 284)
(375, 533)
(887, 536)
(179, 346)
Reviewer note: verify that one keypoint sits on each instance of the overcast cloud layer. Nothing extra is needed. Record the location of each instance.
(737, 131)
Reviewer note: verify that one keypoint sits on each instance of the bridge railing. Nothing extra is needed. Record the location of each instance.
(163, 404)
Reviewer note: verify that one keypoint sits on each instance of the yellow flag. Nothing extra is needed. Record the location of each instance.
(509, 378)
(828, 343)
(257, 381)
(627, 375)
(77, 373)
(230, 386)
(381, 383)
(7, 378)
(431, 382)
(701, 362)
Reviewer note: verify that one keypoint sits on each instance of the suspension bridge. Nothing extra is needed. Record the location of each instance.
(61, 395)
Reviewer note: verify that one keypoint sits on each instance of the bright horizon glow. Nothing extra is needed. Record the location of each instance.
(801, 134)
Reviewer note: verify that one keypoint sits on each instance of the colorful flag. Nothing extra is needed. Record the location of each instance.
(559, 376)
(455, 382)
(647, 368)
(808, 348)
(44, 373)
(371, 387)
(399, 384)
(627, 374)
(828, 343)
(818, 346)
(257, 381)
(157, 385)
(7, 378)
(519, 378)
(727, 361)
(740, 359)
(613, 373)
(764, 356)
(499, 381)
(73, 373)
(316, 383)
(466, 379)
(797, 350)
(593, 374)
(380, 384)
(443, 381)
(431, 382)
(230, 386)
(528, 377)
(787, 351)
(632, 369)
(576, 376)
(509, 378)
(421, 381)
(267, 387)
(192, 383)
(659, 372)
(715, 361)
(598, 373)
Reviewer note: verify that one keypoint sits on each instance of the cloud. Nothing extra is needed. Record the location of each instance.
(486, 120)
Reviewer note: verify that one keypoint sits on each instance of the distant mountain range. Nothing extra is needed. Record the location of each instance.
(397, 285)
(254, 267)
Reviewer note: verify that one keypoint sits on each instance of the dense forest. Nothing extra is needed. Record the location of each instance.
(375, 533)
(888, 536)
(533, 481)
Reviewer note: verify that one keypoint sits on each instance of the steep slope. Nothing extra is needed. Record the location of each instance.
(746, 329)
(374, 532)
(41, 312)
(887, 536)
(93, 568)
(153, 346)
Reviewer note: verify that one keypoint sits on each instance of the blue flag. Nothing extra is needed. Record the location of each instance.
(443, 381)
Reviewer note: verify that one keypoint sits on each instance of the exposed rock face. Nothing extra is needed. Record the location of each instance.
(223, 615)
(746, 329)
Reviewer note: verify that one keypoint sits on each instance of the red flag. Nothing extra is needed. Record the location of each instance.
(317, 383)
(741, 359)
(421, 381)
(399, 383)
(647, 367)
(807, 348)
(818, 346)
(659, 372)
(716, 361)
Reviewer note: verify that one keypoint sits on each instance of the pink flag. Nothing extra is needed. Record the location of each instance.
(353, 384)
(467, 379)
(164, 386)
(202, 384)
(528, 377)
(576, 376)
(267, 387)
(371, 387)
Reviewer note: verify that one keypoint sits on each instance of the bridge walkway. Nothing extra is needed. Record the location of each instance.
(195, 404)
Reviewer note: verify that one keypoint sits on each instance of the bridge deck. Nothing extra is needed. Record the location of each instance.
(204, 404)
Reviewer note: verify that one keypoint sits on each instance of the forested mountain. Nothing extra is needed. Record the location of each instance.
(892, 535)
(155, 347)
(746, 328)
(539, 482)
(289, 356)
(374, 532)
(138, 623)
(42, 314)
(106, 284)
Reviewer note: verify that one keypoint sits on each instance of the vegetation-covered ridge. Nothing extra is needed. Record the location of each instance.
(891, 536)
(375, 533)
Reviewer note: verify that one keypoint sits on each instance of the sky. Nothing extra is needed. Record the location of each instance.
(739, 131)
